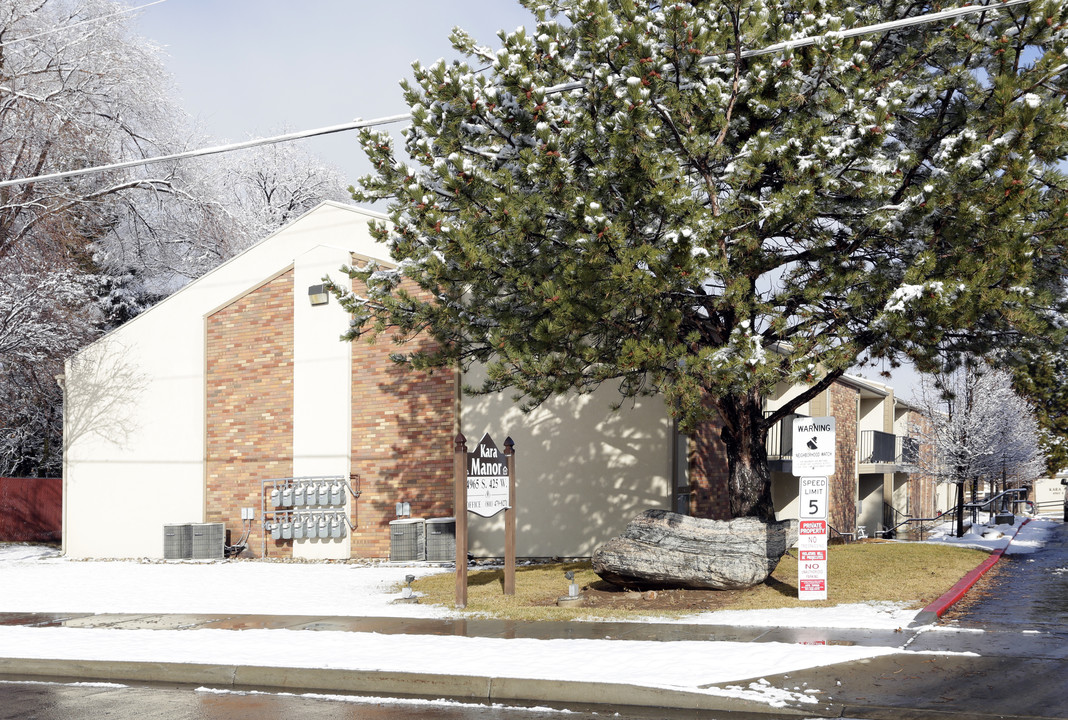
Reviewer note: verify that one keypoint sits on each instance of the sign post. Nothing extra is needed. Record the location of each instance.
(460, 505)
(813, 464)
(509, 521)
(485, 485)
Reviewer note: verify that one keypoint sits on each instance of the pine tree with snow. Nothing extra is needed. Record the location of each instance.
(1043, 378)
(631, 193)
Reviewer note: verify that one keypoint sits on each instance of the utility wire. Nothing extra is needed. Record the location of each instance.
(354, 125)
(78, 24)
(997, 5)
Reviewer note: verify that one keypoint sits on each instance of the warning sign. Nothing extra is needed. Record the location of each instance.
(813, 452)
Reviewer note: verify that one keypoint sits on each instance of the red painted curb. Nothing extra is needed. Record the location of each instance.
(955, 593)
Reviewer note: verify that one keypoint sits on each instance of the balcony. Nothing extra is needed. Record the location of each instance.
(882, 452)
(780, 443)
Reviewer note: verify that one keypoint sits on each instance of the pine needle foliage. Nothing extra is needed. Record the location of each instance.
(681, 220)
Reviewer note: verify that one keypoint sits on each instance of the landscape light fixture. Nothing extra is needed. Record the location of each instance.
(572, 588)
(318, 295)
(407, 591)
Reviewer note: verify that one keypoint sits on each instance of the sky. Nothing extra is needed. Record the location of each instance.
(253, 68)
(256, 68)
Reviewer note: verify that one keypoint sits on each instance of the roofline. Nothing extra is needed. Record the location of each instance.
(218, 268)
(862, 384)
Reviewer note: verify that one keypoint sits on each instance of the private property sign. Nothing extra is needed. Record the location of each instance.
(487, 479)
(812, 560)
(813, 452)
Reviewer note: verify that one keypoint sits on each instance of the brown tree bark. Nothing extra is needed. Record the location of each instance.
(745, 436)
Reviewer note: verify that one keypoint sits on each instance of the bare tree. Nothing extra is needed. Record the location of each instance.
(81, 255)
(980, 429)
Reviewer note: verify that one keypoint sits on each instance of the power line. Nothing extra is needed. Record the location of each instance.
(576, 85)
(78, 24)
(355, 125)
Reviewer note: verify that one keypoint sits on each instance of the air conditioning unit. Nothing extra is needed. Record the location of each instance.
(441, 539)
(177, 542)
(407, 540)
(208, 541)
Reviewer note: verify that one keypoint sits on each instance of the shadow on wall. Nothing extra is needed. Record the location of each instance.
(100, 387)
(403, 433)
(583, 471)
(31, 510)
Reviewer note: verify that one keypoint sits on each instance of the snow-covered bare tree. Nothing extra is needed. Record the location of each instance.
(264, 188)
(224, 203)
(45, 314)
(980, 429)
(73, 94)
(78, 89)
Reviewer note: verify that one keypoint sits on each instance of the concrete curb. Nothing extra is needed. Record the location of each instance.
(393, 684)
(938, 608)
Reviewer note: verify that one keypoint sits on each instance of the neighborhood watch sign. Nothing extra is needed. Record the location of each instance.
(487, 479)
(813, 452)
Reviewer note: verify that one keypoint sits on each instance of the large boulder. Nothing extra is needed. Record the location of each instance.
(661, 549)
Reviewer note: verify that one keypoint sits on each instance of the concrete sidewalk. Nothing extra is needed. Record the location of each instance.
(924, 683)
(488, 687)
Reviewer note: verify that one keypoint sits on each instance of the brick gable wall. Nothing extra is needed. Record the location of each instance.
(403, 427)
(709, 491)
(842, 405)
(922, 483)
(249, 408)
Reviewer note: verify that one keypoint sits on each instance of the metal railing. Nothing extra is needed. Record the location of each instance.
(907, 450)
(780, 442)
(1012, 496)
(877, 447)
(883, 447)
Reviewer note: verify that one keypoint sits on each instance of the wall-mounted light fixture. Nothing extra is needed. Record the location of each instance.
(318, 295)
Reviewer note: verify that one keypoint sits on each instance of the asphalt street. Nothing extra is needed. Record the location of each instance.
(1014, 629)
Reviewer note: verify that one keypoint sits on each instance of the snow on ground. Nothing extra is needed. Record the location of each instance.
(680, 665)
(36, 579)
(991, 536)
(40, 580)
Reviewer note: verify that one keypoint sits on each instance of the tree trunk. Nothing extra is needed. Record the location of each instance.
(960, 509)
(745, 434)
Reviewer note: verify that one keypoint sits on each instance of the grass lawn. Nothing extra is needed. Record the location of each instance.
(912, 573)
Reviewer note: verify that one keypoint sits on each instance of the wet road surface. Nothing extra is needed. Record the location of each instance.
(1011, 645)
(1029, 592)
(75, 701)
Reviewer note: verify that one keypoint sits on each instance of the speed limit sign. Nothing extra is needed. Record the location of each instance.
(814, 496)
